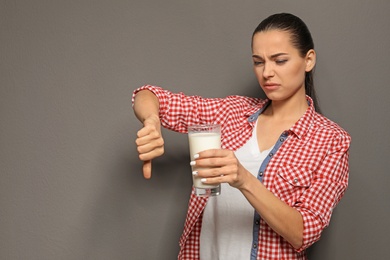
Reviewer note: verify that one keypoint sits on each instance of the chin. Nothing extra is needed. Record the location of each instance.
(273, 96)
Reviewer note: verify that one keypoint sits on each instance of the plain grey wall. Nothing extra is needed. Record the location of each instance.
(71, 185)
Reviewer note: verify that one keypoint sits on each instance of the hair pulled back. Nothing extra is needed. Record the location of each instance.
(300, 38)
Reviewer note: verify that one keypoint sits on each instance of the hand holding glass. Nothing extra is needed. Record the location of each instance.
(201, 138)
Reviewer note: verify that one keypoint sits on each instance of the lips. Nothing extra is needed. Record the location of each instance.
(271, 86)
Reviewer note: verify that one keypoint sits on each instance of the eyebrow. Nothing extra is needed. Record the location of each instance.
(272, 56)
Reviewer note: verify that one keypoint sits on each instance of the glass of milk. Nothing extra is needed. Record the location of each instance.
(201, 138)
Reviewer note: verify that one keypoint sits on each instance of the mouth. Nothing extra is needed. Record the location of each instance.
(271, 86)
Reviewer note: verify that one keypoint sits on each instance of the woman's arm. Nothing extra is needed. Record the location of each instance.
(301, 222)
(283, 219)
(156, 107)
(150, 143)
(146, 105)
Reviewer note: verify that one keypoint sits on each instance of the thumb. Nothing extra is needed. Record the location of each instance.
(147, 169)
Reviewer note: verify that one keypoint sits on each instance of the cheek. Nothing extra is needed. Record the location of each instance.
(297, 72)
(257, 72)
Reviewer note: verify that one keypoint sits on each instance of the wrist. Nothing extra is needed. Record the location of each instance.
(246, 181)
(153, 118)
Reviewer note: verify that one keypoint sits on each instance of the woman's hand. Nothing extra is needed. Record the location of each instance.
(150, 143)
(223, 167)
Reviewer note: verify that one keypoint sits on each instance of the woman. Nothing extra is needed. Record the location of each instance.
(284, 167)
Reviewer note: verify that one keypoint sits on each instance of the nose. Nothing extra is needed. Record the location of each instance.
(268, 70)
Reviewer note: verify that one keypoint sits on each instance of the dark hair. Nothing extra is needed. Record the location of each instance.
(300, 38)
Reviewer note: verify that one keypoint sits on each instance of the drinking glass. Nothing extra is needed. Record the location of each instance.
(201, 138)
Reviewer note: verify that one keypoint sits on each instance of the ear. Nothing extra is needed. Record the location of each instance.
(310, 60)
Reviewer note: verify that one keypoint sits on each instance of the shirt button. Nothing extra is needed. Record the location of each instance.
(271, 154)
(257, 222)
(254, 246)
(281, 139)
(295, 180)
(260, 174)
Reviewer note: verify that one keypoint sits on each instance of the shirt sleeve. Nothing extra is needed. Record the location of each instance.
(178, 111)
(328, 186)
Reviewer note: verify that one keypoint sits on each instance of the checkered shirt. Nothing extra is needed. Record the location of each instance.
(309, 171)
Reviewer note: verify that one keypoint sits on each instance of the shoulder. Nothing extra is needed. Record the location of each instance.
(244, 101)
(325, 126)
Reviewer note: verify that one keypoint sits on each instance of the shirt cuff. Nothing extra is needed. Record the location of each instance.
(312, 228)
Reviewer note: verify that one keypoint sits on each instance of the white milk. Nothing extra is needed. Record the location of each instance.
(198, 143)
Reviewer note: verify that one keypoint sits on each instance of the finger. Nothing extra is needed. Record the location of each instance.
(147, 169)
(151, 153)
(214, 153)
(215, 162)
(215, 180)
(148, 144)
(145, 131)
(213, 172)
(152, 139)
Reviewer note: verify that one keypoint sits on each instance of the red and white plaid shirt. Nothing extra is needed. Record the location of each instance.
(309, 171)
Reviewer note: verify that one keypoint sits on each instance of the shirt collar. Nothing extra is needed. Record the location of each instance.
(300, 128)
(253, 112)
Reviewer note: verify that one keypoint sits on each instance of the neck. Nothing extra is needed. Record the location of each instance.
(291, 109)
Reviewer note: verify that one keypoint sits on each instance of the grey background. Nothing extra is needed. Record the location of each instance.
(71, 185)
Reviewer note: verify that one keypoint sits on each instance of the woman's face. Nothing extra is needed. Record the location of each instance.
(278, 65)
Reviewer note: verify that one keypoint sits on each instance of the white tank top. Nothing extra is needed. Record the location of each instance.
(227, 226)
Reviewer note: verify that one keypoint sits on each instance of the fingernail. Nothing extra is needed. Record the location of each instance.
(192, 163)
(196, 156)
(203, 180)
(194, 173)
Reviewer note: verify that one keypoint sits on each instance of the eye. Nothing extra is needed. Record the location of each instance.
(258, 63)
(280, 62)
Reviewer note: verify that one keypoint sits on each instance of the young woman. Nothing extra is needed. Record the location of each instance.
(283, 166)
